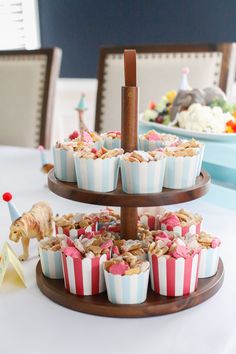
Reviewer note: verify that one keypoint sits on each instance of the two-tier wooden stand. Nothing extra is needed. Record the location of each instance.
(155, 304)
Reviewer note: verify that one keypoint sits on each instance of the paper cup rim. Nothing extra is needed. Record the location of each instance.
(176, 259)
(127, 275)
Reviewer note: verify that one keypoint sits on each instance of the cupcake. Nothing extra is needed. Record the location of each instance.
(181, 168)
(134, 247)
(74, 225)
(174, 266)
(181, 222)
(194, 144)
(153, 140)
(112, 140)
(83, 261)
(64, 168)
(97, 170)
(209, 260)
(50, 257)
(126, 279)
(142, 172)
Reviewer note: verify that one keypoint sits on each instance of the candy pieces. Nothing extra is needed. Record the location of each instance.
(126, 265)
(52, 244)
(142, 156)
(208, 241)
(113, 135)
(152, 135)
(92, 153)
(180, 152)
(179, 218)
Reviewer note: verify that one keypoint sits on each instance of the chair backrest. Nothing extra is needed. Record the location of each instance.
(27, 87)
(159, 70)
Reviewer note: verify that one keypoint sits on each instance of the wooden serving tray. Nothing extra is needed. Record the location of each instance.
(119, 198)
(155, 305)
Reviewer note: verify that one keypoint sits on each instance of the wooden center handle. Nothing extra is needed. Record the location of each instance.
(130, 67)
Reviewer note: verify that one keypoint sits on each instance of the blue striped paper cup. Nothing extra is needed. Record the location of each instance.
(127, 289)
(110, 143)
(64, 168)
(98, 175)
(181, 172)
(50, 261)
(201, 154)
(142, 177)
(149, 145)
(209, 260)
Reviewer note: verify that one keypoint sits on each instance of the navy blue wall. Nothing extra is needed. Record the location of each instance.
(81, 27)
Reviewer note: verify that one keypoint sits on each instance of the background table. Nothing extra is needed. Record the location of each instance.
(31, 323)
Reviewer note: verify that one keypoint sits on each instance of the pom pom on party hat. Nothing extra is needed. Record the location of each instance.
(14, 213)
(184, 85)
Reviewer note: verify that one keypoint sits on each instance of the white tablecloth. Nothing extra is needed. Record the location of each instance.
(31, 323)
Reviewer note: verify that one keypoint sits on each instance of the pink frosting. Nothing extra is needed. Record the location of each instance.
(170, 221)
(115, 250)
(153, 137)
(180, 252)
(215, 243)
(106, 244)
(72, 252)
(118, 268)
(87, 138)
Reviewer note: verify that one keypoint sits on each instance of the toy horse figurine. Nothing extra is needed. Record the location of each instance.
(36, 223)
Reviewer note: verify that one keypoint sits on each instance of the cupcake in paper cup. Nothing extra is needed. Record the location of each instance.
(194, 144)
(181, 168)
(50, 257)
(174, 266)
(153, 140)
(82, 262)
(64, 168)
(181, 222)
(112, 140)
(210, 246)
(126, 279)
(142, 172)
(74, 225)
(97, 170)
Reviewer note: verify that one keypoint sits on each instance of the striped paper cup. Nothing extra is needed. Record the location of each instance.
(74, 232)
(127, 289)
(181, 172)
(208, 262)
(182, 230)
(64, 168)
(149, 145)
(144, 177)
(50, 261)
(201, 154)
(97, 175)
(84, 276)
(110, 143)
(174, 277)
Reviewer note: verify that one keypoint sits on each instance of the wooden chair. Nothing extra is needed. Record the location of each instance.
(27, 87)
(159, 70)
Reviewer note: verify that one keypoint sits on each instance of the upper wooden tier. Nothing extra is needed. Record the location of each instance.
(119, 198)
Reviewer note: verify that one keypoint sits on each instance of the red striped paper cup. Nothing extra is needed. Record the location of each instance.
(182, 230)
(84, 276)
(174, 277)
(74, 232)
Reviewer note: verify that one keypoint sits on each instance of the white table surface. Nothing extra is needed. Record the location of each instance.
(31, 323)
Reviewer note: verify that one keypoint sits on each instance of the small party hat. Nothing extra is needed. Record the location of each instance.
(14, 213)
(81, 106)
(42, 155)
(184, 85)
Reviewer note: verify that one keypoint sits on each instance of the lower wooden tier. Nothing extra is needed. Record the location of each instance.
(155, 305)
